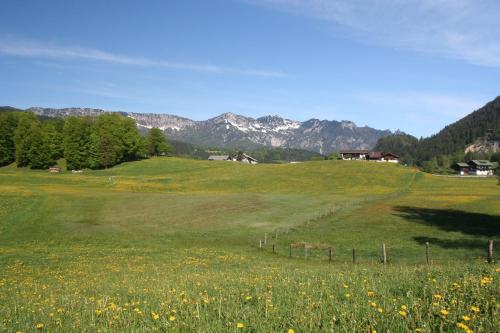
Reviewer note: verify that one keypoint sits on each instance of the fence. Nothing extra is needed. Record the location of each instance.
(328, 252)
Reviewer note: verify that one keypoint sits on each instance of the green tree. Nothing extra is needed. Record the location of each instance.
(76, 141)
(40, 154)
(157, 142)
(23, 137)
(8, 124)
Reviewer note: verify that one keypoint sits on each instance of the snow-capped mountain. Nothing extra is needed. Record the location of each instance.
(235, 131)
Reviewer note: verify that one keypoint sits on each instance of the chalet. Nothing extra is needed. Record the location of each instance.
(354, 154)
(390, 157)
(380, 156)
(481, 168)
(461, 168)
(243, 158)
(239, 157)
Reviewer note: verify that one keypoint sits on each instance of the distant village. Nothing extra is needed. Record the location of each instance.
(471, 168)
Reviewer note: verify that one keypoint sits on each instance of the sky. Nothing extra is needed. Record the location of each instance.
(410, 65)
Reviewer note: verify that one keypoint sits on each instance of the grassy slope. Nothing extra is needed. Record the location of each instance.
(142, 229)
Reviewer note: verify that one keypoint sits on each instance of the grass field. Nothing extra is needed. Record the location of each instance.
(171, 244)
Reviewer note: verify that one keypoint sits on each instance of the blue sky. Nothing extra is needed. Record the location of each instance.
(390, 64)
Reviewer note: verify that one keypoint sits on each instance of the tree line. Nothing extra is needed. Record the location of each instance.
(84, 142)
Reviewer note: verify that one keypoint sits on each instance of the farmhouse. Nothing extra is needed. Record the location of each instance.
(354, 154)
(243, 158)
(480, 168)
(461, 168)
(239, 157)
(380, 156)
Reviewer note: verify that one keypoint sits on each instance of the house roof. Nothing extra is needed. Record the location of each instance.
(218, 157)
(391, 154)
(481, 163)
(462, 165)
(376, 155)
(250, 157)
(354, 151)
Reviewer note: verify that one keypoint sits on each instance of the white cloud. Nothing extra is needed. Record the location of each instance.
(32, 49)
(462, 29)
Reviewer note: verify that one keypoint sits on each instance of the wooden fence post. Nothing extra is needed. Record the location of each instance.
(490, 251)
(290, 250)
(384, 251)
(330, 254)
(260, 244)
(427, 253)
(353, 256)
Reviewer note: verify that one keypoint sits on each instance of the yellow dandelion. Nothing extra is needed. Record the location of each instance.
(291, 330)
(373, 304)
(248, 298)
(98, 312)
(403, 313)
(347, 295)
(155, 316)
(444, 312)
(466, 318)
(380, 310)
(171, 318)
(404, 307)
(240, 325)
(474, 309)
(39, 326)
(371, 293)
(437, 297)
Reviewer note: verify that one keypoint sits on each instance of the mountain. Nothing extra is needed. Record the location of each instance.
(457, 136)
(239, 132)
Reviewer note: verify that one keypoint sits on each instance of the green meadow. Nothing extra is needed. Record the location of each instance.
(172, 245)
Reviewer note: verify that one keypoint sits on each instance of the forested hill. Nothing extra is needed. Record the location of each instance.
(457, 136)
(451, 141)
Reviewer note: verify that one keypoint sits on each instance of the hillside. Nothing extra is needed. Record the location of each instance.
(479, 129)
(233, 131)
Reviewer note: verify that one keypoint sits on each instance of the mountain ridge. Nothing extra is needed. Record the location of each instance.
(230, 130)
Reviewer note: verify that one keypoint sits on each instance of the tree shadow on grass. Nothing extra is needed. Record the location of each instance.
(475, 224)
(452, 243)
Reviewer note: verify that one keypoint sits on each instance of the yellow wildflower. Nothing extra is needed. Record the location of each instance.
(444, 312)
(437, 297)
(403, 313)
(248, 298)
(474, 309)
(155, 316)
(380, 310)
(291, 330)
(466, 318)
(171, 318)
(371, 293)
(240, 325)
(39, 326)
(403, 307)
